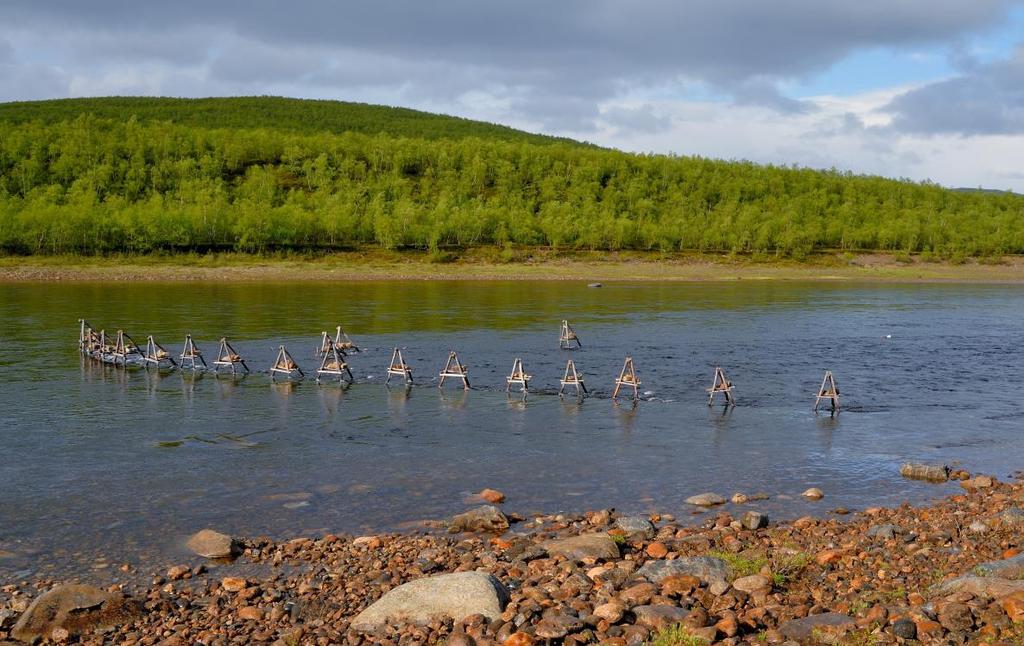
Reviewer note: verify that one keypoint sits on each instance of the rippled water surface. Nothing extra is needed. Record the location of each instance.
(102, 463)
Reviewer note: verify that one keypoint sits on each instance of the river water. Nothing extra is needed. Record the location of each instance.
(102, 465)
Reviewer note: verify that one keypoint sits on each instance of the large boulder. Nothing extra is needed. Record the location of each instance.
(456, 595)
(213, 545)
(77, 609)
(1011, 568)
(929, 472)
(706, 568)
(486, 518)
(584, 546)
(980, 586)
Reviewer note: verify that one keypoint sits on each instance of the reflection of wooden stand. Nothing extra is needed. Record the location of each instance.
(190, 354)
(454, 368)
(398, 367)
(334, 364)
(518, 376)
(340, 342)
(572, 378)
(157, 355)
(627, 378)
(721, 385)
(829, 390)
(285, 365)
(124, 347)
(568, 337)
(227, 356)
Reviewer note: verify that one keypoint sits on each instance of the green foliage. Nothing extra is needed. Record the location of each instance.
(677, 635)
(99, 176)
(741, 565)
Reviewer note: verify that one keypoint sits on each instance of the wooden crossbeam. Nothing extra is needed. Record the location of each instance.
(191, 356)
(341, 342)
(720, 384)
(284, 364)
(334, 364)
(828, 390)
(627, 377)
(228, 357)
(453, 368)
(567, 337)
(398, 367)
(572, 378)
(156, 355)
(518, 376)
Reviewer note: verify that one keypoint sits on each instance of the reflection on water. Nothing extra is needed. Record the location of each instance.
(105, 462)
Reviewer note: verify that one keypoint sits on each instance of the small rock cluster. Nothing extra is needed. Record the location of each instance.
(950, 573)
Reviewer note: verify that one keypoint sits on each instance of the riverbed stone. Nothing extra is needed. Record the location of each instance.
(929, 472)
(821, 627)
(75, 608)
(706, 500)
(457, 595)
(752, 583)
(585, 546)
(813, 494)
(884, 532)
(212, 544)
(659, 616)
(706, 568)
(755, 520)
(1011, 568)
(486, 518)
(980, 586)
(635, 526)
(1012, 517)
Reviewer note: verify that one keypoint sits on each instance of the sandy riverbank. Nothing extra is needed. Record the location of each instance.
(947, 573)
(589, 267)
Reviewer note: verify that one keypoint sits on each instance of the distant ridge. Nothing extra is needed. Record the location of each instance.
(279, 113)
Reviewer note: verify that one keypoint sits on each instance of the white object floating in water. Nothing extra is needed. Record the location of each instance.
(887, 336)
(594, 285)
(648, 393)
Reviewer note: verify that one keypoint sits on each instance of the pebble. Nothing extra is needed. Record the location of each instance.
(813, 494)
(706, 500)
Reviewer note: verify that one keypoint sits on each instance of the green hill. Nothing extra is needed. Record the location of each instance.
(98, 176)
(278, 113)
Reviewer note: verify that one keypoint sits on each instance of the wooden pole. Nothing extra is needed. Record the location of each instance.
(828, 390)
(568, 336)
(627, 378)
(720, 384)
(398, 367)
(454, 368)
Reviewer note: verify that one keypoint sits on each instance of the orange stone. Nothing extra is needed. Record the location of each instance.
(657, 550)
(233, 583)
(1010, 553)
(679, 584)
(1013, 604)
(501, 543)
(518, 639)
(492, 496)
(827, 556)
(927, 627)
(252, 613)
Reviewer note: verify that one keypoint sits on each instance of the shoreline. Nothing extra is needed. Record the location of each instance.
(946, 572)
(589, 267)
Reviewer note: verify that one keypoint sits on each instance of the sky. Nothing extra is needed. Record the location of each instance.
(920, 89)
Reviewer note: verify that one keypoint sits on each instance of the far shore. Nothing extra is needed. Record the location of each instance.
(583, 266)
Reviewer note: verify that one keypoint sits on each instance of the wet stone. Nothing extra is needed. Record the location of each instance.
(635, 526)
(584, 546)
(705, 568)
(486, 518)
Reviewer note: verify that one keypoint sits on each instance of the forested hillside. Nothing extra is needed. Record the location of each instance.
(99, 184)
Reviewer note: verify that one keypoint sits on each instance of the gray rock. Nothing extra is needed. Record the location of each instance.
(1012, 517)
(706, 500)
(755, 520)
(884, 532)
(212, 545)
(635, 526)
(818, 626)
(557, 626)
(1011, 568)
(486, 518)
(930, 472)
(705, 568)
(904, 628)
(980, 586)
(76, 608)
(577, 548)
(456, 595)
(752, 583)
(813, 494)
(659, 615)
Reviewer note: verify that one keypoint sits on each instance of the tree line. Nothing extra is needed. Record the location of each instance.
(97, 185)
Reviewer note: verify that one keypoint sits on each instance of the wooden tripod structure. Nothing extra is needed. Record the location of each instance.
(333, 363)
(567, 337)
(454, 368)
(285, 365)
(340, 342)
(124, 347)
(627, 378)
(190, 354)
(227, 357)
(721, 385)
(88, 338)
(572, 378)
(398, 367)
(518, 376)
(828, 390)
(157, 355)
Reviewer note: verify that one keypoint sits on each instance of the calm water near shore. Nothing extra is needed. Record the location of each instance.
(102, 465)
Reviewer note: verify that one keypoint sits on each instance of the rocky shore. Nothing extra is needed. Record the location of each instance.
(949, 573)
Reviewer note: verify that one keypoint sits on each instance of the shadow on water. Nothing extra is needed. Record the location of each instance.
(123, 462)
